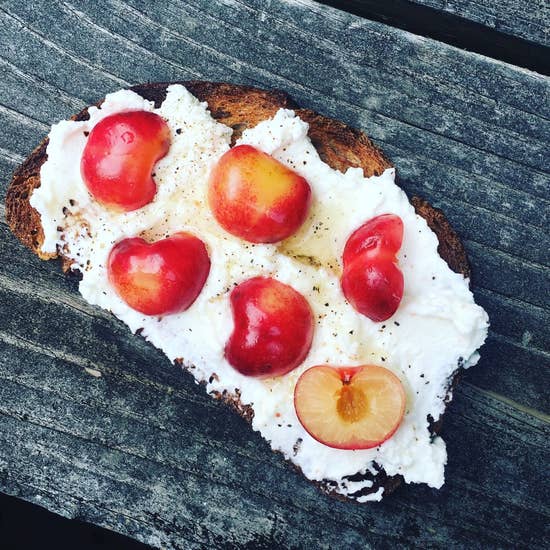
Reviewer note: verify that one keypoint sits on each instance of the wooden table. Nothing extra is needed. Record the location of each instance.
(95, 424)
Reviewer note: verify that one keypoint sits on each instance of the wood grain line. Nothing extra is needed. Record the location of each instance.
(56, 47)
(187, 68)
(499, 217)
(169, 432)
(118, 37)
(23, 118)
(545, 354)
(474, 163)
(74, 102)
(516, 302)
(535, 205)
(235, 64)
(511, 257)
(539, 415)
(11, 157)
(104, 368)
(107, 408)
(79, 503)
(59, 297)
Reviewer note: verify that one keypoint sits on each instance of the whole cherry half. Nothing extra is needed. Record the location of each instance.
(371, 280)
(349, 407)
(160, 278)
(273, 328)
(119, 156)
(255, 197)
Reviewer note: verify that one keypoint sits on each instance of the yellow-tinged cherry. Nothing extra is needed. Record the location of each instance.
(257, 198)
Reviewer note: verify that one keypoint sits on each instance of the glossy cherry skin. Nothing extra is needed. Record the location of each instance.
(255, 197)
(373, 286)
(160, 278)
(371, 280)
(382, 234)
(273, 328)
(349, 408)
(119, 156)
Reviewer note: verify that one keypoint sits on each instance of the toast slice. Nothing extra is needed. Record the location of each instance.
(242, 107)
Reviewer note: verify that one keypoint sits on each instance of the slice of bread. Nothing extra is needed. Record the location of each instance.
(242, 107)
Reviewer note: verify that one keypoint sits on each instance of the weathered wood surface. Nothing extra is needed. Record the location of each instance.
(141, 449)
(528, 20)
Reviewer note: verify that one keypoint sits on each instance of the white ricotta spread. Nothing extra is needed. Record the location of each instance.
(436, 327)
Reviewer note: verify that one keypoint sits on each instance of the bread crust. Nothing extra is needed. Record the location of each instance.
(242, 107)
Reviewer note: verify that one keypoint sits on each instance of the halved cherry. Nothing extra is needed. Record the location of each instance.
(273, 328)
(383, 233)
(162, 277)
(119, 156)
(349, 407)
(255, 197)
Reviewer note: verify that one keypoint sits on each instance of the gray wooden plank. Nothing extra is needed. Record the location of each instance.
(527, 20)
(140, 449)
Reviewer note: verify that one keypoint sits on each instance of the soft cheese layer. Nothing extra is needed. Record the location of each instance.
(437, 326)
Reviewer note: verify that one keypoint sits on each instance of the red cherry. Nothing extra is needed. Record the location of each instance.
(119, 156)
(374, 287)
(159, 278)
(273, 328)
(380, 234)
(257, 198)
(371, 280)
